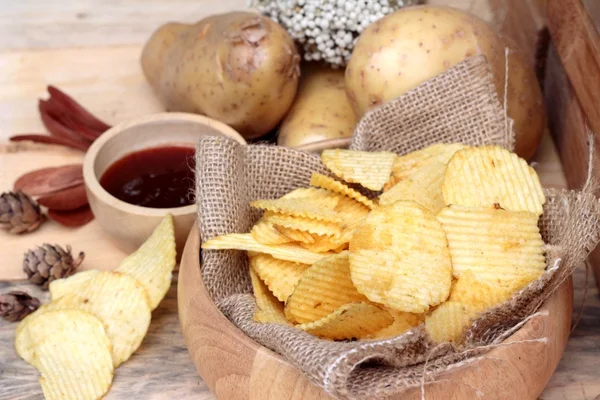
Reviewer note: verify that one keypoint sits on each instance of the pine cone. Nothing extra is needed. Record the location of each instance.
(16, 305)
(19, 213)
(47, 263)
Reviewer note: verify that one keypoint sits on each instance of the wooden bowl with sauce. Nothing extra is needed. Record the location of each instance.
(141, 170)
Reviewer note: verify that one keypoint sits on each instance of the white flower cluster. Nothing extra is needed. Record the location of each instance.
(327, 29)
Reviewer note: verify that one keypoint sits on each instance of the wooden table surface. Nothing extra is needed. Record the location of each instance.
(90, 48)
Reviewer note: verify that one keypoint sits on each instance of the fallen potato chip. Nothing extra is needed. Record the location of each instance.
(71, 350)
(313, 195)
(497, 246)
(295, 235)
(369, 169)
(351, 211)
(298, 208)
(423, 186)
(490, 175)
(281, 277)
(305, 224)
(350, 321)
(60, 287)
(322, 289)
(264, 232)
(480, 295)
(403, 322)
(268, 308)
(153, 263)
(448, 322)
(28, 336)
(399, 257)
(325, 182)
(245, 241)
(120, 302)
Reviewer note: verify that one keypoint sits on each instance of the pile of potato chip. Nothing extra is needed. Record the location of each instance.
(454, 233)
(96, 320)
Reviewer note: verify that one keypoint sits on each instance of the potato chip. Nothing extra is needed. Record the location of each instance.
(153, 263)
(27, 338)
(298, 208)
(120, 302)
(313, 195)
(60, 287)
(328, 183)
(351, 211)
(489, 175)
(448, 322)
(264, 232)
(324, 244)
(399, 257)
(295, 235)
(71, 350)
(404, 166)
(281, 277)
(350, 321)
(268, 308)
(305, 224)
(322, 289)
(245, 241)
(497, 246)
(423, 186)
(369, 169)
(480, 295)
(403, 322)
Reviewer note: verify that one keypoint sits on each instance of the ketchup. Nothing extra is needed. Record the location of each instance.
(160, 177)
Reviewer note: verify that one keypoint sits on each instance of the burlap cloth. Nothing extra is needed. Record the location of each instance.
(457, 106)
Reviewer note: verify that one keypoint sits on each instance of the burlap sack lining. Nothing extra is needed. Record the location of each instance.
(457, 106)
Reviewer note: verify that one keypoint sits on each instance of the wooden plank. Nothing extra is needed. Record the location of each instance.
(41, 24)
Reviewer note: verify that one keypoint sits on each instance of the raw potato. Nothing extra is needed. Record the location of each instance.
(321, 110)
(406, 48)
(240, 68)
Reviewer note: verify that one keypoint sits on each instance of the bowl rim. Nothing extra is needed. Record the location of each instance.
(92, 182)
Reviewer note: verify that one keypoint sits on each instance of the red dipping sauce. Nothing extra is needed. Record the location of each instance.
(160, 177)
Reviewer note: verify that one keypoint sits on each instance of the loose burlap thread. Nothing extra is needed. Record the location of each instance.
(459, 105)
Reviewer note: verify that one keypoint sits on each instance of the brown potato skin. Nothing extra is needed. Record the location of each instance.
(321, 109)
(406, 48)
(240, 68)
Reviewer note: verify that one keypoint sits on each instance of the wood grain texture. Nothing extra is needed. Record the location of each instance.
(237, 368)
(578, 44)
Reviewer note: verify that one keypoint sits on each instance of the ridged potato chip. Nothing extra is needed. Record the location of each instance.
(296, 235)
(322, 289)
(399, 257)
(404, 166)
(480, 295)
(403, 322)
(325, 182)
(299, 208)
(351, 211)
(153, 263)
(423, 186)
(268, 308)
(369, 169)
(264, 232)
(305, 224)
(490, 175)
(120, 302)
(71, 350)
(27, 339)
(313, 195)
(281, 277)
(60, 287)
(324, 244)
(245, 241)
(496, 245)
(448, 322)
(351, 321)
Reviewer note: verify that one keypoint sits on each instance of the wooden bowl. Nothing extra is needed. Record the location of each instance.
(131, 225)
(235, 367)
